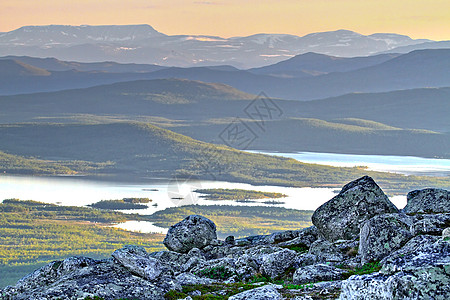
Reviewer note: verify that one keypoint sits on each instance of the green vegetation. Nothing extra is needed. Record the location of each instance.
(33, 234)
(365, 269)
(239, 221)
(20, 165)
(220, 272)
(125, 203)
(298, 286)
(15, 164)
(237, 194)
(146, 150)
(219, 291)
(300, 248)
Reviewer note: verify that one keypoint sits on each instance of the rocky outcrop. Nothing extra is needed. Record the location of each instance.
(419, 270)
(382, 235)
(275, 264)
(325, 252)
(367, 250)
(316, 273)
(341, 217)
(136, 260)
(428, 201)
(446, 234)
(268, 292)
(193, 232)
(430, 224)
(104, 279)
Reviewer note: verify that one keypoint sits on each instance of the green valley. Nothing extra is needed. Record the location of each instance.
(136, 150)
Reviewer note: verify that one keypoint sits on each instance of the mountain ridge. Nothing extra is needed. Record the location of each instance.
(143, 44)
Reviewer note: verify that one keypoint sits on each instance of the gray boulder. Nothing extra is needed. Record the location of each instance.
(191, 279)
(275, 264)
(53, 271)
(428, 201)
(105, 279)
(220, 269)
(421, 251)
(325, 251)
(382, 235)
(419, 270)
(305, 237)
(316, 273)
(267, 292)
(430, 224)
(137, 261)
(446, 234)
(340, 218)
(173, 259)
(193, 232)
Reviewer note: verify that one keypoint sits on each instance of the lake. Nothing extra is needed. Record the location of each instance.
(408, 165)
(78, 191)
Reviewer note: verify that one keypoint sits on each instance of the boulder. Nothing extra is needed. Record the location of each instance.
(137, 261)
(282, 236)
(105, 279)
(430, 224)
(193, 232)
(305, 237)
(382, 235)
(53, 271)
(419, 270)
(276, 264)
(421, 251)
(191, 279)
(422, 283)
(316, 273)
(446, 234)
(340, 218)
(267, 292)
(173, 259)
(220, 269)
(325, 251)
(428, 201)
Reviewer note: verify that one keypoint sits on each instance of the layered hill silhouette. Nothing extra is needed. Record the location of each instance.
(53, 64)
(410, 122)
(422, 68)
(313, 64)
(418, 69)
(15, 68)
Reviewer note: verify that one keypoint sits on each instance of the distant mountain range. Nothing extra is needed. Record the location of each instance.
(305, 77)
(143, 44)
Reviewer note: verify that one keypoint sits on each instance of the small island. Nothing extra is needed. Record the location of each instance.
(237, 194)
(125, 203)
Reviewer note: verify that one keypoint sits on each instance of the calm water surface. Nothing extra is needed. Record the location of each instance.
(408, 165)
(76, 191)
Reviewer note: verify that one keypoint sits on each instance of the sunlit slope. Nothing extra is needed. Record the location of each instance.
(140, 149)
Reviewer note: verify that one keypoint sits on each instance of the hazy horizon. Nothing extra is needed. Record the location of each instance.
(416, 18)
(200, 34)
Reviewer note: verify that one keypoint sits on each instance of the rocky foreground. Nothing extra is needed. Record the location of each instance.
(360, 247)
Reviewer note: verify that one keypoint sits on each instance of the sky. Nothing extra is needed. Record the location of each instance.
(416, 18)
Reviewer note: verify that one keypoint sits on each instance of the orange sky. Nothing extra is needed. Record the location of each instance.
(416, 18)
